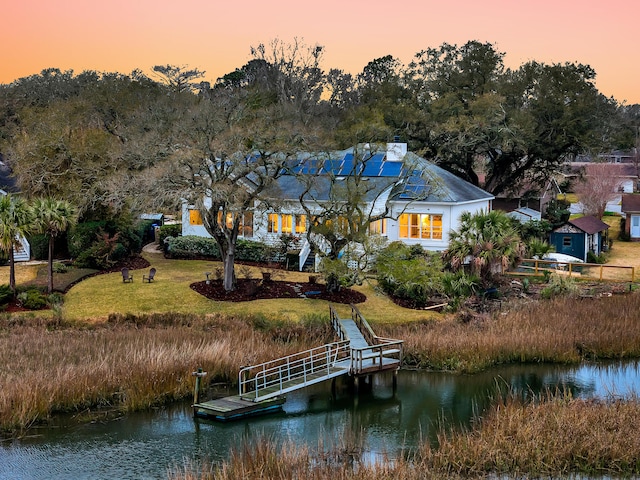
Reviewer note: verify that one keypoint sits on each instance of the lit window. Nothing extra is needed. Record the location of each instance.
(379, 227)
(301, 223)
(194, 217)
(272, 223)
(420, 225)
(287, 223)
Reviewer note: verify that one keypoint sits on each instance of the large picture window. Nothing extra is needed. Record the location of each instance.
(420, 226)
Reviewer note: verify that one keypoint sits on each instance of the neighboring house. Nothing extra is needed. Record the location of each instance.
(21, 253)
(631, 211)
(626, 174)
(580, 236)
(437, 200)
(528, 196)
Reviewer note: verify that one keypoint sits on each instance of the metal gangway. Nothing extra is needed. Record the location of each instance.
(358, 352)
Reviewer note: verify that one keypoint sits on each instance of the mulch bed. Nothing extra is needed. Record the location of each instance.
(248, 290)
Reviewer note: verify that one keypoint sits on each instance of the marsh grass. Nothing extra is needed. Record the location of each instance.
(553, 435)
(562, 330)
(128, 363)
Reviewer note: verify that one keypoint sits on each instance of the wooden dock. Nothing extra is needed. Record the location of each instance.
(357, 353)
(235, 407)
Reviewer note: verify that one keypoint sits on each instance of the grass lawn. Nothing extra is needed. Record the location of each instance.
(97, 297)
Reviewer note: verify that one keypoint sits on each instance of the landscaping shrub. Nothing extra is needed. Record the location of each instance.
(166, 231)
(599, 259)
(192, 246)
(410, 273)
(59, 267)
(32, 299)
(336, 274)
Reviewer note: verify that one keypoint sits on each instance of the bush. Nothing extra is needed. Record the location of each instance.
(559, 285)
(59, 267)
(410, 273)
(336, 274)
(192, 246)
(32, 299)
(599, 259)
(166, 231)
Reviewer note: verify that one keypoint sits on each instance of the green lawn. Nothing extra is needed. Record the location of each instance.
(97, 297)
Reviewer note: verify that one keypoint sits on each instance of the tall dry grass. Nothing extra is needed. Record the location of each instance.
(557, 436)
(564, 330)
(128, 363)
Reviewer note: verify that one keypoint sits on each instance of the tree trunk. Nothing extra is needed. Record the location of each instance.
(12, 272)
(229, 282)
(50, 266)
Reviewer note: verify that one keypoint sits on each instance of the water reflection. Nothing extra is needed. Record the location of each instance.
(146, 445)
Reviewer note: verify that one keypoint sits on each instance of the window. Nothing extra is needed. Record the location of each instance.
(301, 223)
(566, 241)
(379, 227)
(287, 223)
(246, 230)
(194, 217)
(421, 225)
(272, 223)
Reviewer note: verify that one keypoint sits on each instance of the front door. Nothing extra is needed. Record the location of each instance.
(635, 226)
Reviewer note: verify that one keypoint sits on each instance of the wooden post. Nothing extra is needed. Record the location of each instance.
(196, 391)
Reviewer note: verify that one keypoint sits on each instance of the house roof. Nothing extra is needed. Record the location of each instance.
(630, 203)
(615, 169)
(412, 179)
(525, 214)
(589, 224)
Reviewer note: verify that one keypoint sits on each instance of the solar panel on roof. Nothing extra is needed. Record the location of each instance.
(391, 169)
(372, 168)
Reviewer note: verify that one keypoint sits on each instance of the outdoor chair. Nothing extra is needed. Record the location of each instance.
(126, 277)
(149, 278)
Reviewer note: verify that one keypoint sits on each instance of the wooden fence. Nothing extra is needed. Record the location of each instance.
(587, 271)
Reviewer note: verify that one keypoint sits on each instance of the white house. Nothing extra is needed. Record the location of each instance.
(424, 201)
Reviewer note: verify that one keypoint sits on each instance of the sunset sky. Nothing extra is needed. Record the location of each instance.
(216, 36)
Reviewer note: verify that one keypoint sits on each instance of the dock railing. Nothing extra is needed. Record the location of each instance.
(337, 325)
(276, 377)
(381, 351)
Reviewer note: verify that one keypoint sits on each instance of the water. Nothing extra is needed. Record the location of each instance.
(146, 445)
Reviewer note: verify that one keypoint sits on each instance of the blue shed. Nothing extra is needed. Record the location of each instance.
(579, 236)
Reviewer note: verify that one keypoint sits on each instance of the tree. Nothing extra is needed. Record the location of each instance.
(15, 222)
(232, 144)
(178, 78)
(597, 187)
(52, 217)
(514, 127)
(486, 241)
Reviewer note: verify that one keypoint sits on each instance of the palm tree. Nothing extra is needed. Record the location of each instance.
(486, 241)
(15, 222)
(53, 217)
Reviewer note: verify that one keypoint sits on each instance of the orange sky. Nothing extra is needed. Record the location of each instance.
(216, 35)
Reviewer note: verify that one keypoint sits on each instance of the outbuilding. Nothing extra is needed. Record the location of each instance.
(580, 236)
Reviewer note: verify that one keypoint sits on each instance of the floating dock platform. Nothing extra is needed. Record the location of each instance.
(235, 408)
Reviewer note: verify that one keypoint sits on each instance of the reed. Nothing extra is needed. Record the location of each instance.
(564, 330)
(128, 363)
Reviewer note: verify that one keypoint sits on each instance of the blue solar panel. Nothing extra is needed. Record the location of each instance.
(391, 169)
(372, 168)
